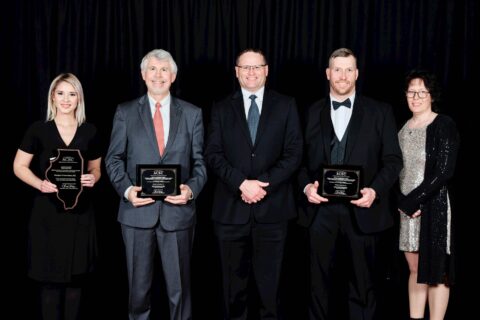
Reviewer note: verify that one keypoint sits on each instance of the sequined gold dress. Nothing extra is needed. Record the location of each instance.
(412, 143)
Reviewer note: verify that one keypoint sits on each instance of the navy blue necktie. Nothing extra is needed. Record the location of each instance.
(345, 103)
(253, 117)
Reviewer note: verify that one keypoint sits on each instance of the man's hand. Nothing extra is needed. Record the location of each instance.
(252, 190)
(182, 198)
(311, 192)
(368, 196)
(136, 201)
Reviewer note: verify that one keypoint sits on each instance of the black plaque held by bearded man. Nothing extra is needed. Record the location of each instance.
(65, 172)
(158, 181)
(339, 182)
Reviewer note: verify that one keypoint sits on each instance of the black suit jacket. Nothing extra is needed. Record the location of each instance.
(273, 158)
(372, 143)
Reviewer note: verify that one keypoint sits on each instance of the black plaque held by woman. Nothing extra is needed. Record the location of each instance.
(158, 180)
(65, 172)
(341, 182)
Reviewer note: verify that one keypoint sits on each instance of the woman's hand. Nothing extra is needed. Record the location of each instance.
(47, 187)
(87, 180)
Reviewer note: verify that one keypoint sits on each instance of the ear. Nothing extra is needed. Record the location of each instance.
(356, 74)
(327, 72)
(266, 70)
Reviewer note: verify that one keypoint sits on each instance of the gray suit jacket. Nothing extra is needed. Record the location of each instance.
(133, 142)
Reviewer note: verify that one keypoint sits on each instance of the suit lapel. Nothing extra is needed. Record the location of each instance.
(175, 115)
(147, 120)
(354, 126)
(327, 128)
(239, 111)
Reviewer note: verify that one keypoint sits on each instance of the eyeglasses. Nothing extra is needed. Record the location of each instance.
(254, 68)
(420, 94)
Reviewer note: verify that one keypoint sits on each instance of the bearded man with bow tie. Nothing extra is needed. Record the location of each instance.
(346, 129)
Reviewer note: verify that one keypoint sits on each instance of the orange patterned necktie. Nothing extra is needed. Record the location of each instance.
(158, 124)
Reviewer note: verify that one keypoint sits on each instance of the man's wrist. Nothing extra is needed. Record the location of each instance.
(191, 193)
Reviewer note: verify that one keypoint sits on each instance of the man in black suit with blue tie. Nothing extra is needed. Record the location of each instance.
(254, 146)
(347, 129)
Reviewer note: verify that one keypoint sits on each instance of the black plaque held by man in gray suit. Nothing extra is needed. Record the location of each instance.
(158, 181)
(65, 172)
(341, 182)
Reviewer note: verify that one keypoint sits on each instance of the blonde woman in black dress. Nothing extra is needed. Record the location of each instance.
(62, 243)
(429, 143)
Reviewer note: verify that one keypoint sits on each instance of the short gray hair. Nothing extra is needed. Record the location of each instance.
(160, 54)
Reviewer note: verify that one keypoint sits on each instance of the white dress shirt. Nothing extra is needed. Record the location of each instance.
(341, 116)
(247, 102)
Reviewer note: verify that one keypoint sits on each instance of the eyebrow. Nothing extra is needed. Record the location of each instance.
(58, 90)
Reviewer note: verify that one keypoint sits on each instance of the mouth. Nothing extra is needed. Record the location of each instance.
(159, 82)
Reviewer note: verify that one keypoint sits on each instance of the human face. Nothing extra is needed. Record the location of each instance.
(158, 77)
(416, 104)
(65, 98)
(251, 79)
(342, 74)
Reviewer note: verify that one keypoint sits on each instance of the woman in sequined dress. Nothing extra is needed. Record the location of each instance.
(429, 143)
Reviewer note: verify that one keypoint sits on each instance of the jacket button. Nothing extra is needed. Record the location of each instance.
(253, 155)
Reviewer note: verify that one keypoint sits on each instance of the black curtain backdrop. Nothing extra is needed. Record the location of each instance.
(102, 42)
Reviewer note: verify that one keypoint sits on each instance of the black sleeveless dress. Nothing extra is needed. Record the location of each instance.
(62, 242)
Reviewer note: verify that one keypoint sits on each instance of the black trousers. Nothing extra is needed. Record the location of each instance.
(331, 222)
(251, 246)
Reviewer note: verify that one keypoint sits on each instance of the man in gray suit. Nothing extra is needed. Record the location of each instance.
(157, 129)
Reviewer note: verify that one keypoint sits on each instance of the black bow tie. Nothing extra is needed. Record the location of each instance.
(345, 103)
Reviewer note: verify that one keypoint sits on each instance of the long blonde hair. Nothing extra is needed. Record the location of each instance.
(72, 80)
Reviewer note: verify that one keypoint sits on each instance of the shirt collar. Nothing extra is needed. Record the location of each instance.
(164, 102)
(259, 93)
